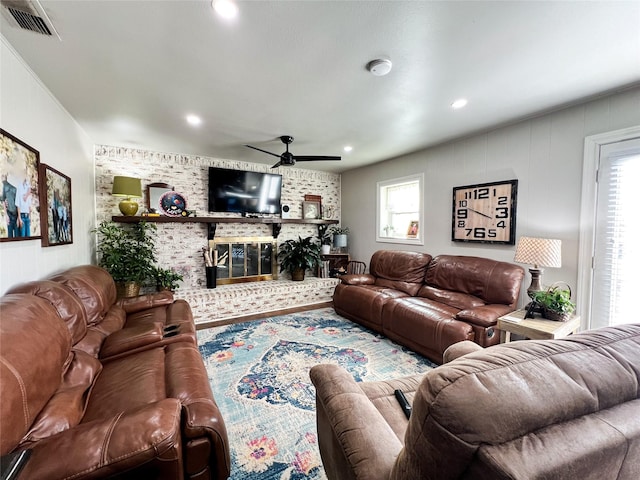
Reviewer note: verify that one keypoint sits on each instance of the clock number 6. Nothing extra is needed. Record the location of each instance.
(481, 232)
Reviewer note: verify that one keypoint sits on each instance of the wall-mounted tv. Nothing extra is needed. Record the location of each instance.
(244, 192)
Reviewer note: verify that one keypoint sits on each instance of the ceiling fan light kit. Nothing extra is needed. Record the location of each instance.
(288, 159)
(379, 66)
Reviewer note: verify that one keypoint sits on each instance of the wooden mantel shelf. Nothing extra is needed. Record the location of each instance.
(267, 220)
(213, 221)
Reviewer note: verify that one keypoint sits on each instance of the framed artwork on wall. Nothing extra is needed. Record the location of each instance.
(19, 194)
(55, 215)
(485, 213)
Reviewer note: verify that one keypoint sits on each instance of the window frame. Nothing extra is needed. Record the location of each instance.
(419, 239)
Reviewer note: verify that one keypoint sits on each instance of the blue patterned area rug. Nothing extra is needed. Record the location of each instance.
(259, 373)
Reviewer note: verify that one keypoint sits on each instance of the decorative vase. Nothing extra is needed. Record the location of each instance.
(340, 241)
(325, 249)
(297, 275)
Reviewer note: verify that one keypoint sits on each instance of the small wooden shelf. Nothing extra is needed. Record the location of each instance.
(276, 222)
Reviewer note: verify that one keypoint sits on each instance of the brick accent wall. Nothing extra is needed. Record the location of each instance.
(179, 245)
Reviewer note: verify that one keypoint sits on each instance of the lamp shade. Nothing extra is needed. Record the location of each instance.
(540, 252)
(127, 187)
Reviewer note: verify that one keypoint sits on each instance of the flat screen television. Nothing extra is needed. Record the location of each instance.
(244, 192)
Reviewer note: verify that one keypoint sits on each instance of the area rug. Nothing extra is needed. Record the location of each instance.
(259, 374)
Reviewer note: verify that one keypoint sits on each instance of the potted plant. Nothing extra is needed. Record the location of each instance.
(127, 252)
(166, 279)
(555, 303)
(339, 236)
(298, 255)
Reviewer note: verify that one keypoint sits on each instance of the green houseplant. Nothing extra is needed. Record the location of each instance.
(555, 302)
(298, 255)
(127, 252)
(166, 279)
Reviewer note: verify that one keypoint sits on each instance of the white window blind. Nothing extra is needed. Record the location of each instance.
(617, 254)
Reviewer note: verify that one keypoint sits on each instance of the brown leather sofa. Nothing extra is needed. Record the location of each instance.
(428, 304)
(545, 409)
(97, 388)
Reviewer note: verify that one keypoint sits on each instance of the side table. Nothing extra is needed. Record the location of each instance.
(536, 328)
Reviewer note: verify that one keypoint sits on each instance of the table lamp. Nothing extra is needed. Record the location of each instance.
(539, 252)
(129, 188)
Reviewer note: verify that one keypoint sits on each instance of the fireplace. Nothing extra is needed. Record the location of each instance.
(244, 259)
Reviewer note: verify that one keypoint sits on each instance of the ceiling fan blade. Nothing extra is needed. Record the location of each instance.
(277, 164)
(313, 158)
(263, 151)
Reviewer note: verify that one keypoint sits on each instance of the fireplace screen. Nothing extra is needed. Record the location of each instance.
(244, 259)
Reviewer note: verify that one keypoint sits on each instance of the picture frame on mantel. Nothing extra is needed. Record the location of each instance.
(56, 216)
(19, 192)
(155, 191)
(311, 210)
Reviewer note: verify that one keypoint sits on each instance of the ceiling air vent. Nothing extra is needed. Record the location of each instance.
(28, 15)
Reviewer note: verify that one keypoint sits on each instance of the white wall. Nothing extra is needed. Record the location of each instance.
(30, 112)
(545, 154)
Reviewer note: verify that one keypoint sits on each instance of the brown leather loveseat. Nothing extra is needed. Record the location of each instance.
(534, 409)
(428, 304)
(96, 387)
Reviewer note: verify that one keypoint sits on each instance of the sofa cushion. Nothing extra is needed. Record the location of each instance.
(67, 304)
(400, 270)
(66, 407)
(94, 287)
(425, 326)
(454, 299)
(489, 280)
(35, 350)
(363, 303)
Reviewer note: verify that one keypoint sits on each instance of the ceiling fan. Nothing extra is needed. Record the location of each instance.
(288, 158)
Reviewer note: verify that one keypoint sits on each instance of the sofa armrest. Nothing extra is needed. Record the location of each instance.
(358, 279)
(459, 349)
(355, 441)
(206, 444)
(146, 439)
(130, 338)
(485, 315)
(142, 302)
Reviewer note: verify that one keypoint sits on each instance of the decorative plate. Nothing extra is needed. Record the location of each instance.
(173, 204)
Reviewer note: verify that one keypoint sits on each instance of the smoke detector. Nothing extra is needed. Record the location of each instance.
(379, 67)
(28, 15)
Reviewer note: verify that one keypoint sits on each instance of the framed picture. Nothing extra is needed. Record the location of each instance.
(19, 197)
(311, 210)
(155, 191)
(412, 232)
(55, 214)
(485, 213)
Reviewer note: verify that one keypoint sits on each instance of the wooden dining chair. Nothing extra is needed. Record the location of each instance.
(356, 267)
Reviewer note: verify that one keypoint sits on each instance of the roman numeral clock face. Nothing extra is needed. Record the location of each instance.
(485, 213)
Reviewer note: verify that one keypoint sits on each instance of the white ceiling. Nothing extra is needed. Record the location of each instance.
(129, 71)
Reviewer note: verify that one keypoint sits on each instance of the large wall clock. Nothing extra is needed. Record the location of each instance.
(485, 213)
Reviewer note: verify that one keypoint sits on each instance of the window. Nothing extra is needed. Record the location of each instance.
(608, 259)
(400, 216)
(616, 257)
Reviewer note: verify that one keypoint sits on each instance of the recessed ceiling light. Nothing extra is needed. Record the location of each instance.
(194, 120)
(225, 8)
(348, 148)
(461, 102)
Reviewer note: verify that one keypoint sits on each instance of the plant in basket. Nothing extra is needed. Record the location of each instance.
(555, 303)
